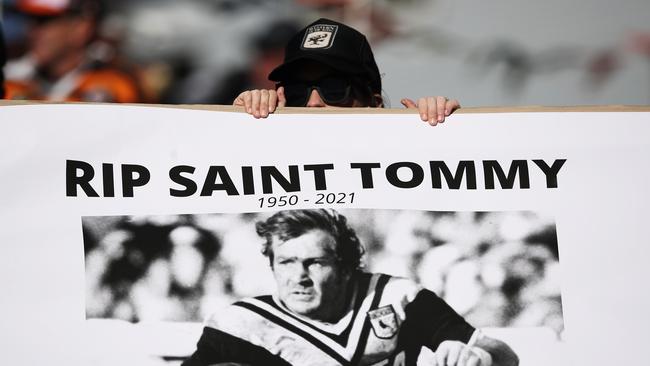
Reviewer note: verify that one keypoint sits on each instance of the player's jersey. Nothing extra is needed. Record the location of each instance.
(389, 320)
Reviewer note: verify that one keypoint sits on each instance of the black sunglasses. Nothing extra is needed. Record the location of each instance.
(334, 90)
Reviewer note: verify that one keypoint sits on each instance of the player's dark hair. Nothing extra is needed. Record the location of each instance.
(286, 225)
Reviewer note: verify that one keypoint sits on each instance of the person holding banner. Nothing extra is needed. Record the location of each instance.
(328, 311)
(328, 64)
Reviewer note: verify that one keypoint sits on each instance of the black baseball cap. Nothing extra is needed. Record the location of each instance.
(334, 44)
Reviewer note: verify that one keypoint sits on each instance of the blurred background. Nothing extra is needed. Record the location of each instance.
(497, 53)
(497, 269)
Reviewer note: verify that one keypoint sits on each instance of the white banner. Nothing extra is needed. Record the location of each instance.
(531, 225)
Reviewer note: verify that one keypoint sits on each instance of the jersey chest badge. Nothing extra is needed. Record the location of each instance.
(383, 321)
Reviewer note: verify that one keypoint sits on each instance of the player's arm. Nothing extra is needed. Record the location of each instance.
(479, 351)
(501, 353)
(455, 342)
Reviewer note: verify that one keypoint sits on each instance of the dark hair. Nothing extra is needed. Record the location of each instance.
(286, 225)
(363, 93)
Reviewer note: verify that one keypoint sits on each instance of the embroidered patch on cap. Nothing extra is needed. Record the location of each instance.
(384, 321)
(319, 36)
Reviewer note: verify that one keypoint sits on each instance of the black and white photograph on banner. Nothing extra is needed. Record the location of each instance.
(348, 286)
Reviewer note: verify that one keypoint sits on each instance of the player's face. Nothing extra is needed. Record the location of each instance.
(310, 279)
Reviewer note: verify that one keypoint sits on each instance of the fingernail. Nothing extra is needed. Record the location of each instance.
(447, 111)
(424, 117)
(440, 118)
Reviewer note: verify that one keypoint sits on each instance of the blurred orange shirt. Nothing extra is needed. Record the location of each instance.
(104, 85)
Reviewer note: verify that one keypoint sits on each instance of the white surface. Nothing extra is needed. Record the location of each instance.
(600, 206)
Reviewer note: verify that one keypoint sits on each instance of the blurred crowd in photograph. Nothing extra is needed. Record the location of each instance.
(498, 269)
(207, 51)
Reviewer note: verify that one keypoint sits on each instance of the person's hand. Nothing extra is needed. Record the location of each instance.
(455, 353)
(260, 102)
(433, 109)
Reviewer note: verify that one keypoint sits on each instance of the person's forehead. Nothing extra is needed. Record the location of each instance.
(313, 243)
